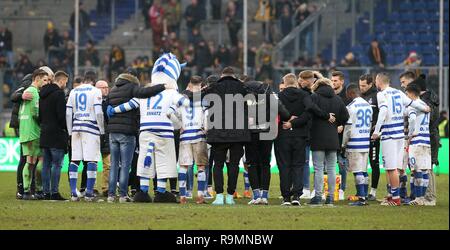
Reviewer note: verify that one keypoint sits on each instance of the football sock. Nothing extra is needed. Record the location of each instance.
(366, 184)
(201, 182)
(373, 191)
(359, 183)
(144, 184)
(256, 194)
(161, 185)
(418, 183)
(182, 174)
(395, 192)
(38, 176)
(412, 186)
(403, 184)
(73, 177)
(265, 194)
(26, 175)
(246, 181)
(91, 177)
(425, 182)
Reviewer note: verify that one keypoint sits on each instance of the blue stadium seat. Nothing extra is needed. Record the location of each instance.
(412, 38)
(424, 27)
(394, 17)
(429, 48)
(421, 16)
(407, 16)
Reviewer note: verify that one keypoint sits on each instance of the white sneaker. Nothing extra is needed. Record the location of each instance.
(189, 194)
(341, 195)
(125, 199)
(306, 194)
(313, 193)
(417, 202)
(111, 199)
(429, 203)
(263, 201)
(81, 194)
(254, 202)
(74, 198)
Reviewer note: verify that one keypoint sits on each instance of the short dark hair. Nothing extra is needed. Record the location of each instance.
(38, 73)
(408, 74)
(61, 74)
(339, 74)
(77, 79)
(353, 87)
(90, 76)
(228, 71)
(212, 79)
(366, 77)
(196, 80)
(413, 88)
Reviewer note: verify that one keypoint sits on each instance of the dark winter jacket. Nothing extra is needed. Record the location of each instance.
(52, 117)
(371, 97)
(104, 139)
(228, 85)
(324, 135)
(264, 96)
(16, 99)
(127, 87)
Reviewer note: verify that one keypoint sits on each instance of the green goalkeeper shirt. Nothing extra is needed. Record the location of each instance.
(29, 129)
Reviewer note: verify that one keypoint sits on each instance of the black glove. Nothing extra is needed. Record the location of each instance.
(342, 152)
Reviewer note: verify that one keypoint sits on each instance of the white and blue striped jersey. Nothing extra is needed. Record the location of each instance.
(83, 110)
(357, 129)
(153, 111)
(392, 104)
(419, 126)
(192, 122)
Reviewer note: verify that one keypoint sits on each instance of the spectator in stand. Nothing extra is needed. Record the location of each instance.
(443, 124)
(280, 5)
(237, 55)
(264, 15)
(146, 4)
(193, 15)
(6, 45)
(202, 57)
(301, 14)
(286, 20)
(233, 22)
(223, 57)
(376, 54)
(413, 60)
(90, 54)
(104, 67)
(52, 43)
(196, 36)
(116, 61)
(263, 61)
(23, 67)
(319, 62)
(68, 57)
(159, 29)
(155, 11)
(216, 6)
(349, 61)
(84, 25)
(172, 13)
(251, 60)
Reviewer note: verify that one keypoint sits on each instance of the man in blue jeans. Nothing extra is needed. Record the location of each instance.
(54, 136)
(122, 129)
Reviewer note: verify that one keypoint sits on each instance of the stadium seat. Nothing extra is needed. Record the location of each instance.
(412, 38)
(394, 17)
(421, 16)
(418, 6)
(407, 16)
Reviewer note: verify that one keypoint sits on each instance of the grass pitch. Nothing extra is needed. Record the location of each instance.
(16, 214)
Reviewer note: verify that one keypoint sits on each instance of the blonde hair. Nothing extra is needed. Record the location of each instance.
(290, 80)
(322, 81)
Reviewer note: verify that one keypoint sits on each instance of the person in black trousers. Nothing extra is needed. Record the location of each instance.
(369, 93)
(227, 138)
(290, 145)
(258, 150)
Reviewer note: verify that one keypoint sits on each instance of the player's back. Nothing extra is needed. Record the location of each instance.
(83, 100)
(393, 100)
(421, 128)
(153, 112)
(192, 118)
(361, 121)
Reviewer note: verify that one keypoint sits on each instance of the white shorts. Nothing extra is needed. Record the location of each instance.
(405, 161)
(419, 157)
(193, 152)
(85, 147)
(163, 157)
(357, 161)
(392, 152)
